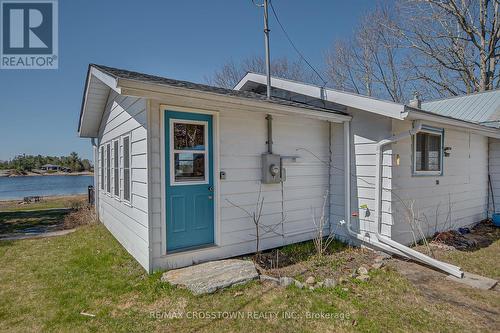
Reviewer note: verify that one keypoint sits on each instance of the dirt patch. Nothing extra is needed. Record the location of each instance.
(479, 307)
(480, 236)
(300, 261)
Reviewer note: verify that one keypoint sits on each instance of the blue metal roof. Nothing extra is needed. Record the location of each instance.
(482, 107)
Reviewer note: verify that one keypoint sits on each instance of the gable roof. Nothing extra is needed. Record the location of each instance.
(101, 79)
(251, 81)
(481, 107)
(255, 82)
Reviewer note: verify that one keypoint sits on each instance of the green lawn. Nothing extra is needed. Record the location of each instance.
(47, 283)
(45, 203)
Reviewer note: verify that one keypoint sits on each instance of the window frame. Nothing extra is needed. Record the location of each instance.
(173, 151)
(433, 131)
(115, 167)
(122, 168)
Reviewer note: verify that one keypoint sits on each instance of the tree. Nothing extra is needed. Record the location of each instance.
(438, 47)
(231, 73)
(456, 43)
(373, 61)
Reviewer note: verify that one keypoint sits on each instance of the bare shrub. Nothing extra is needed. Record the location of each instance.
(85, 215)
(322, 241)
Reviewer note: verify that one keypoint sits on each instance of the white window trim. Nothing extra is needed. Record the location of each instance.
(433, 131)
(172, 151)
(113, 156)
(122, 169)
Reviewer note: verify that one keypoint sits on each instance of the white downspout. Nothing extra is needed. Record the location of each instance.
(347, 202)
(451, 269)
(381, 241)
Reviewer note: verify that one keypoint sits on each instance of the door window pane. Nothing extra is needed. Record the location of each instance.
(189, 136)
(189, 166)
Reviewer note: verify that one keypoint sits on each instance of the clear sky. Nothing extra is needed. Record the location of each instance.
(185, 40)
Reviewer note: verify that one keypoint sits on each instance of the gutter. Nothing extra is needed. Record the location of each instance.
(380, 240)
(418, 114)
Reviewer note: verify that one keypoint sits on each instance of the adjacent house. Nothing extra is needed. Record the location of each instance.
(180, 165)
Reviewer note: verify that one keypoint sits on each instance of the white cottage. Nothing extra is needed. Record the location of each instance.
(177, 163)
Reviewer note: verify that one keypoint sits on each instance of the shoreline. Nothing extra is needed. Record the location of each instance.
(34, 174)
(48, 198)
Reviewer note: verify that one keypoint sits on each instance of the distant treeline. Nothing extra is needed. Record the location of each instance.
(32, 162)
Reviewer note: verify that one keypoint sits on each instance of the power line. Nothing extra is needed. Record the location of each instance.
(293, 44)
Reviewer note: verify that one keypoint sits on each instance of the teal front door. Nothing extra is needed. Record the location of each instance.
(189, 180)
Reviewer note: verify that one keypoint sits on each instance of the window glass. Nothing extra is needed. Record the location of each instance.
(428, 149)
(108, 168)
(126, 168)
(189, 166)
(189, 136)
(116, 170)
(102, 168)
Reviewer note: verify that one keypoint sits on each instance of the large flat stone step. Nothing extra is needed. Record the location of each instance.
(211, 276)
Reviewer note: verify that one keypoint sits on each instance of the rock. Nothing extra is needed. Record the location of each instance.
(362, 270)
(269, 278)
(378, 265)
(286, 281)
(329, 283)
(310, 280)
(363, 277)
(299, 284)
(211, 276)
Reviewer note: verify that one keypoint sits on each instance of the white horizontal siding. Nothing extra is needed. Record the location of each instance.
(494, 169)
(242, 140)
(366, 130)
(127, 222)
(459, 199)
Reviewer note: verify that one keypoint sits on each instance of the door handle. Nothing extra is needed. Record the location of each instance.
(211, 188)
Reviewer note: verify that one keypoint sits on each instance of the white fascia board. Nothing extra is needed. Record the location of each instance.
(385, 108)
(108, 80)
(158, 91)
(415, 114)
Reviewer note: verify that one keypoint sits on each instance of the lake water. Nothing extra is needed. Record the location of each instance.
(12, 188)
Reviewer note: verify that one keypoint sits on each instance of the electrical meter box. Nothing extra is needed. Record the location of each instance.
(271, 169)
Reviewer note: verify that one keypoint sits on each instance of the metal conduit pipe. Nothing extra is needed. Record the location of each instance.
(269, 142)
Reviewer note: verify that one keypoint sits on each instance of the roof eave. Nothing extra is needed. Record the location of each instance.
(152, 90)
(108, 80)
(417, 114)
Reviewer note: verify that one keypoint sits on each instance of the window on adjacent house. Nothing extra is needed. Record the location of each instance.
(126, 168)
(102, 168)
(116, 169)
(108, 168)
(428, 152)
